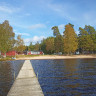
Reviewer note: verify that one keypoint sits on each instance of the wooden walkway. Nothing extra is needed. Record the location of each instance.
(26, 83)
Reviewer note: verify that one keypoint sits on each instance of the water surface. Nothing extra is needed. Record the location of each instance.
(70, 77)
(8, 72)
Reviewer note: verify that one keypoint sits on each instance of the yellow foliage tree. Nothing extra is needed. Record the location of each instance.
(70, 40)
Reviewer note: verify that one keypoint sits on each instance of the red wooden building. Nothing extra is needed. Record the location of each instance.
(9, 53)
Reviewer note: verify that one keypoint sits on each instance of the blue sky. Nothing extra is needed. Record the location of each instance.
(33, 19)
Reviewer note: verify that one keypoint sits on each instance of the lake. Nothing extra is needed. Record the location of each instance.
(68, 77)
(8, 72)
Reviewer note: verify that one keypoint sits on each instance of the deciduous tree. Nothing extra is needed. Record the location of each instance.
(19, 45)
(50, 45)
(6, 37)
(70, 40)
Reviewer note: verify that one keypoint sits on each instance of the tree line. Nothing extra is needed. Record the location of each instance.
(69, 42)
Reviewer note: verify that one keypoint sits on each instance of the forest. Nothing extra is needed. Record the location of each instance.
(68, 43)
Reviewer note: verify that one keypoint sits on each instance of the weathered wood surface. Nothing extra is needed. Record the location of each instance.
(26, 83)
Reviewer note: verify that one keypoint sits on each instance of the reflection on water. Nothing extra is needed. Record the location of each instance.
(70, 77)
(8, 72)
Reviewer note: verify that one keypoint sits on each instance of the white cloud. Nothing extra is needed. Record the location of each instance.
(61, 26)
(23, 34)
(34, 39)
(35, 26)
(5, 9)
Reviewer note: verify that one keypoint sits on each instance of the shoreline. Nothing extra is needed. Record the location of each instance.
(56, 57)
(46, 57)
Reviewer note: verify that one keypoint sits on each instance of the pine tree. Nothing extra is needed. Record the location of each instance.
(58, 41)
(43, 46)
(86, 39)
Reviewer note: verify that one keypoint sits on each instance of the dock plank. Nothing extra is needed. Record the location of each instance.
(26, 83)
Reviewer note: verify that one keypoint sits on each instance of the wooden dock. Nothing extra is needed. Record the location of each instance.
(26, 83)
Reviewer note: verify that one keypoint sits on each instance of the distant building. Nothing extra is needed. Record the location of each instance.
(9, 53)
(35, 53)
(59, 53)
(77, 52)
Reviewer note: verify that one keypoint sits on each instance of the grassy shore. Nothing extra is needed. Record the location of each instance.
(6, 59)
(18, 57)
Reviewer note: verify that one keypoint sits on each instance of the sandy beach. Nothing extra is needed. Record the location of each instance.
(56, 57)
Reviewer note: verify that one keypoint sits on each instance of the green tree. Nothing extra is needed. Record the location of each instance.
(31, 47)
(71, 25)
(70, 40)
(55, 31)
(91, 31)
(37, 46)
(26, 48)
(43, 46)
(19, 45)
(58, 41)
(86, 39)
(58, 44)
(6, 37)
(50, 45)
